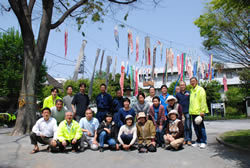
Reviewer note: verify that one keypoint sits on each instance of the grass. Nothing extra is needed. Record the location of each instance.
(211, 118)
(240, 138)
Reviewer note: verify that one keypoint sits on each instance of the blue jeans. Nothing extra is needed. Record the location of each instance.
(187, 128)
(200, 131)
(104, 137)
(159, 136)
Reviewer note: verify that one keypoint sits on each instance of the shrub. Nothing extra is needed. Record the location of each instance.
(231, 111)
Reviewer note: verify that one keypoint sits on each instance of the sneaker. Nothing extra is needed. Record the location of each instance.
(203, 146)
(196, 145)
(82, 149)
(168, 147)
(189, 143)
(184, 143)
(163, 146)
(101, 149)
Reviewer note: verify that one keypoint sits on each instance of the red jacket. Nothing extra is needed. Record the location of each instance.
(160, 118)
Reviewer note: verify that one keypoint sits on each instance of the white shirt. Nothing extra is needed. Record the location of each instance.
(149, 100)
(128, 130)
(46, 128)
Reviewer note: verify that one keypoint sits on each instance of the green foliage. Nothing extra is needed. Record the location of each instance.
(239, 138)
(11, 65)
(244, 76)
(11, 60)
(212, 91)
(235, 99)
(224, 28)
(171, 87)
(231, 111)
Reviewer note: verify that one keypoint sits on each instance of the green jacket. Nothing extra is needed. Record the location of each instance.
(48, 101)
(198, 102)
(64, 134)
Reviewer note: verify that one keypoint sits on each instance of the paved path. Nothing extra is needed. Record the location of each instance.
(14, 153)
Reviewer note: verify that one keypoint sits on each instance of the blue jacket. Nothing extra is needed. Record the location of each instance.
(117, 104)
(163, 102)
(183, 100)
(104, 102)
(122, 114)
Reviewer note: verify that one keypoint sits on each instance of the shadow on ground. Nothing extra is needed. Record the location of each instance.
(227, 153)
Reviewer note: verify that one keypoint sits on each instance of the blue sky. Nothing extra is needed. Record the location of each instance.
(172, 21)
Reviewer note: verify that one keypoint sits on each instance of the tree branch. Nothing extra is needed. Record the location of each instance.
(31, 5)
(124, 3)
(64, 6)
(67, 13)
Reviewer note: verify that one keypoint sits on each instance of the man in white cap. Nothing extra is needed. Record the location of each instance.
(198, 107)
(174, 136)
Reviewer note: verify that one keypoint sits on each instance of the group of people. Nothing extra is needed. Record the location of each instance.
(124, 122)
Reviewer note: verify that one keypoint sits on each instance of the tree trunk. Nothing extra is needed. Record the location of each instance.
(27, 100)
(33, 57)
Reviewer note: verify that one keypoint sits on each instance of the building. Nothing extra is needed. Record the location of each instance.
(229, 69)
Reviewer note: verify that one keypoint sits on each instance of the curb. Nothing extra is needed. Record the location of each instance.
(221, 141)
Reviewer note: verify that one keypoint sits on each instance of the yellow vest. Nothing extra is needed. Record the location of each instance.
(48, 101)
(198, 102)
(64, 134)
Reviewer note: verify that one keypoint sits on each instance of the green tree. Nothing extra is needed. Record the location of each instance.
(11, 61)
(212, 91)
(34, 49)
(225, 30)
(244, 76)
(235, 99)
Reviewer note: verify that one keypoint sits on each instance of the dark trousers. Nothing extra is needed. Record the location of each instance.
(149, 148)
(126, 138)
(74, 146)
(159, 136)
(200, 131)
(34, 139)
(100, 115)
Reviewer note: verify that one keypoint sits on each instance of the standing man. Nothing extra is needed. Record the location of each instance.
(149, 99)
(69, 133)
(133, 99)
(67, 100)
(58, 111)
(198, 107)
(80, 103)
(44, 131)
(103, 102)
(183, 98)
(163, 97)
(50, 101)
(116, 105)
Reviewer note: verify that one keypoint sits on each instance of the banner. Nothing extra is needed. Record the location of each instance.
(66, 41)
(137, 49)
(147, 50)
(93, 74)
(122, 77)
(79, 60)
(116, 34)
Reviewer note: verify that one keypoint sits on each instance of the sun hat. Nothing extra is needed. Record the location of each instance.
(128, 117)
(173, 112)
(140, 115)
(171, 97)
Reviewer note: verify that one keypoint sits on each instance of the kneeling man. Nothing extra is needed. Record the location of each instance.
(44, 131)
(69, 133)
